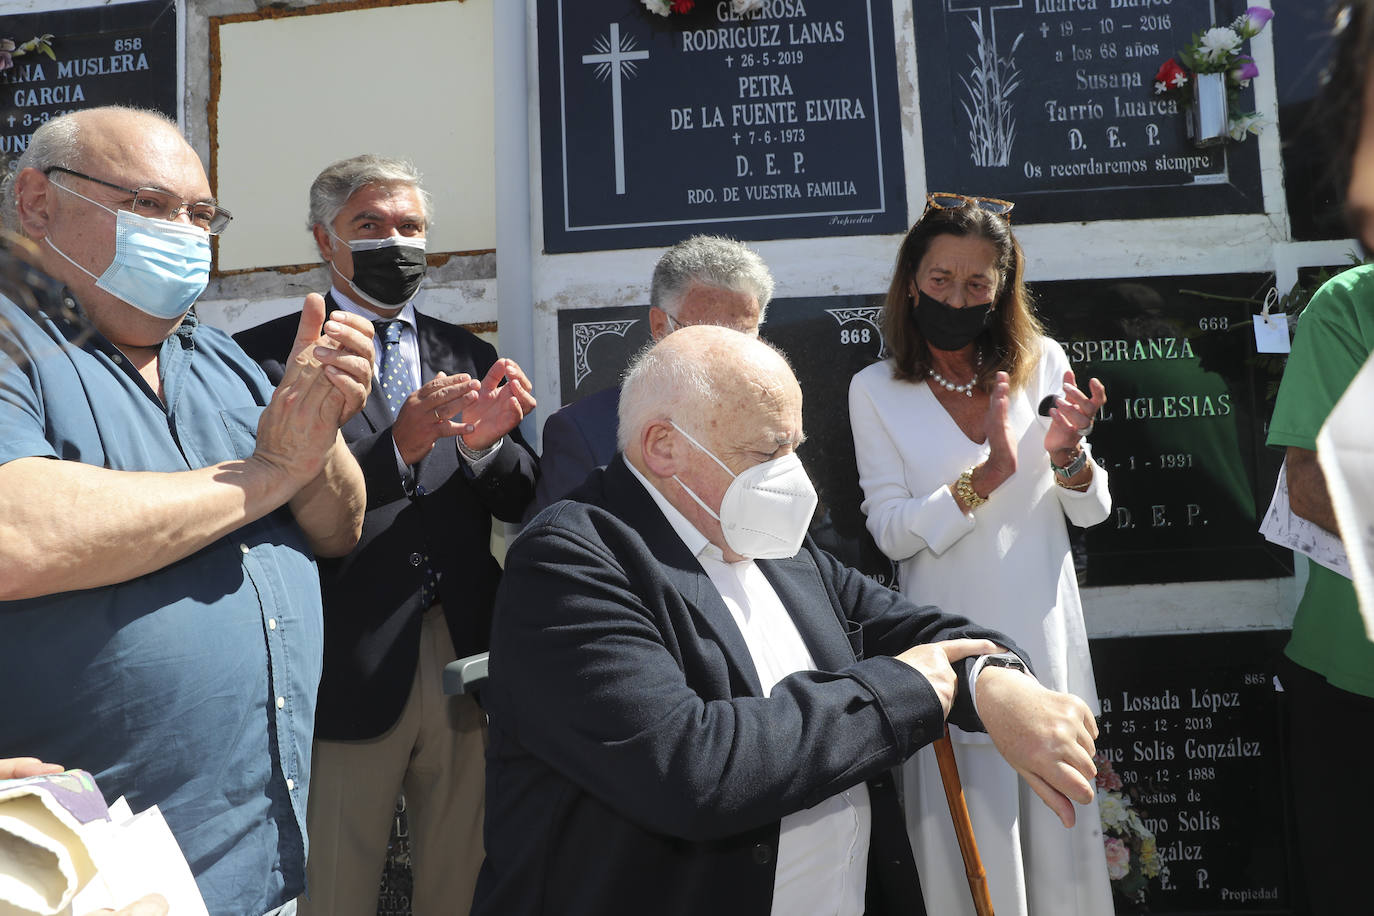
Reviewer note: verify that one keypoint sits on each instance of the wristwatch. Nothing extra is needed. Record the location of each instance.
(1005, 660)
(1073, 467)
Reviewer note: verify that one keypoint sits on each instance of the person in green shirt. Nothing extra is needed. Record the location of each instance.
(1328, 669)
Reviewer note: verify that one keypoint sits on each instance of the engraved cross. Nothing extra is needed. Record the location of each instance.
(611, 61)
(977, 6)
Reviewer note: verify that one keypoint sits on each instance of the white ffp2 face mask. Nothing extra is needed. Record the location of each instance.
(767, 508)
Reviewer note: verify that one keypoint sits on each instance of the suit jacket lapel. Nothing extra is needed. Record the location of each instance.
(798, 584)
(628, 500)
(436, 352)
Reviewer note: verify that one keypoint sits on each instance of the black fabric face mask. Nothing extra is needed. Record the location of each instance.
(947, 328)
(390, 275)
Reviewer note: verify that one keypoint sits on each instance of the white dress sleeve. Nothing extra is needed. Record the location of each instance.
(1093, 505)
(902, 523)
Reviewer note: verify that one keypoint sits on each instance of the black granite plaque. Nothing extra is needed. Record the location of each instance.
(1182, 434)
(1191, 726)
(784, 124)
(1051, 103)
(117, 54)
(595, 346)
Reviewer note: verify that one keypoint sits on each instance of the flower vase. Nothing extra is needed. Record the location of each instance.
(1208, 119)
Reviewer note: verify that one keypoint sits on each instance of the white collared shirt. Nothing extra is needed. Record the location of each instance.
(822, 861)
(410, 341)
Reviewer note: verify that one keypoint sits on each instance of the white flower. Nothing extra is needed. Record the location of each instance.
(1217, 44)
(743, 7)
(661, 7)
(1244, 124)
(1161, 88)
(1113, 810)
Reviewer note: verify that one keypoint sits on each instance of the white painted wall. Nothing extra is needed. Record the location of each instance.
(301, 92)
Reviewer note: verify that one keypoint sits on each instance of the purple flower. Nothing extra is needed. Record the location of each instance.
(1253, 21)
(6, 58)
(1243, 71)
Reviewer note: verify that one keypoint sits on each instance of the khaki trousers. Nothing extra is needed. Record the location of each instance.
(434, 753)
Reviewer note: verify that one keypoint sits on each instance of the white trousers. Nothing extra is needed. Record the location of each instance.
(1034, 866)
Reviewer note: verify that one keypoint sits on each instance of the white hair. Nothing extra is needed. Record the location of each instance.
(687, 381)
(58, 143)
(709, 260)
(662, 383)
(332, 188)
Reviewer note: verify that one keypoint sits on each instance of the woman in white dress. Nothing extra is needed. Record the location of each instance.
(966, 485)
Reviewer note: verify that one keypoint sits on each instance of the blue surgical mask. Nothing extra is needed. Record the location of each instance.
(159, 267)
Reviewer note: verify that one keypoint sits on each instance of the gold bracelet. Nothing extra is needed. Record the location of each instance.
(964, 490)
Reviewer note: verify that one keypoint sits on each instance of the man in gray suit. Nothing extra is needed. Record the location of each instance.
(705, 279)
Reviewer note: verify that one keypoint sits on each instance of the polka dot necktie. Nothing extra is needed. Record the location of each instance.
(392, 369)
(395, 389)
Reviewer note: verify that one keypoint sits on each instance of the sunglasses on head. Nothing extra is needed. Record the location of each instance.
(946, 201)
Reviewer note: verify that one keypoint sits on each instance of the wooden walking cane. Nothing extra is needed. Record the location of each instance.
(963, 827)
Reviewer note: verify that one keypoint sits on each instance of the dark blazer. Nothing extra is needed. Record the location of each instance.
(372, 596)
(634, 765)
(577, 439)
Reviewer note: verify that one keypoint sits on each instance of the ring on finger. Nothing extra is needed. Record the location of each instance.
(1084, 431)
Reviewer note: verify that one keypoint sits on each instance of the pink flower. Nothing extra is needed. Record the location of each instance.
(1243, 71)
(1253, 21)
(1118, 858)
(1106, 776)
(6, 58)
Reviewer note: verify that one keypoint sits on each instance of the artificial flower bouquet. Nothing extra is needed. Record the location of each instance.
(1132, 857)
(666, 7)
(1218, 50)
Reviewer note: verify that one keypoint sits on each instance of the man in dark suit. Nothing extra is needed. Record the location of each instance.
(705, 279)
(693, 708)
(442, 455)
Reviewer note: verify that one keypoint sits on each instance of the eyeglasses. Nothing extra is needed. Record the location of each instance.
(676, 325)
(945, 201)
(156, 203)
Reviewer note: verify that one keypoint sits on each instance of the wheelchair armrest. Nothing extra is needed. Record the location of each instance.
(465, 675)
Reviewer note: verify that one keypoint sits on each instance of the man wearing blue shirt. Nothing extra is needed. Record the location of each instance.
(159, 506)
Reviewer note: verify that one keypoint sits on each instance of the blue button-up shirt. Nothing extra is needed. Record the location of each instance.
(192, 688)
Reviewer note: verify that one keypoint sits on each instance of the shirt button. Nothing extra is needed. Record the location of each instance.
(290, 785)
(117, 359)
(243, 548)
(271, 623)
(762, 854)
(416, 559)
(281, 702)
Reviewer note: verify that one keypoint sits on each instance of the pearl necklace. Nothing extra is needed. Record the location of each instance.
(966, 389)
